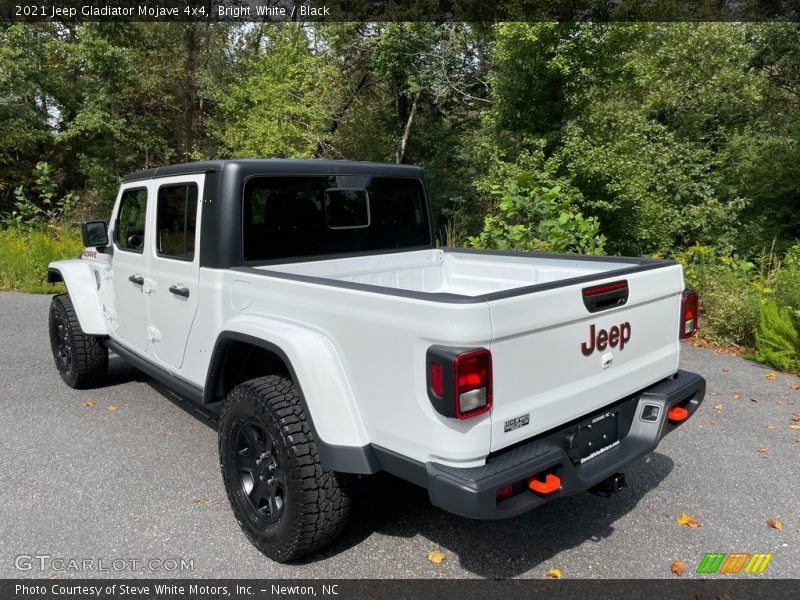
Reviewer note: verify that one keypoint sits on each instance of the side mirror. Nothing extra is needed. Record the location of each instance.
(95, 234)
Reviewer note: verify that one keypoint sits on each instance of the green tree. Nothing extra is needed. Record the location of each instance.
(282, 102)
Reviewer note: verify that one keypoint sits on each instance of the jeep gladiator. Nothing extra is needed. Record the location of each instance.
(306, 303)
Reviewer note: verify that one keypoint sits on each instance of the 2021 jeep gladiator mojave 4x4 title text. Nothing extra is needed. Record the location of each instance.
(306, 302)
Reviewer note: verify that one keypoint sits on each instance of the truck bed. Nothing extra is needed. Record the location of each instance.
(527, 308)
(460, 272)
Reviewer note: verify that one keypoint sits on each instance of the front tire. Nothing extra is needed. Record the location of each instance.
(286, 502)
(81, 360)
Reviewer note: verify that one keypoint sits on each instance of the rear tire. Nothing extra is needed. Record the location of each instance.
(286, 502)
(81, 360)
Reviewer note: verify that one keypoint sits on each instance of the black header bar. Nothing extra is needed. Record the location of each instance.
(75, 11)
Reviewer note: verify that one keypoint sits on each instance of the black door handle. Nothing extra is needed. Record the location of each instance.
(179, 290)
(137, 279)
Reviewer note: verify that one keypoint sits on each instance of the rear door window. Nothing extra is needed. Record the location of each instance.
(286, 217)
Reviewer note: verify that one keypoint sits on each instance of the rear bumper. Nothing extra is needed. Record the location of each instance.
(472, 492)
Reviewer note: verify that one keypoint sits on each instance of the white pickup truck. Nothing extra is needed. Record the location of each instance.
(307, 304)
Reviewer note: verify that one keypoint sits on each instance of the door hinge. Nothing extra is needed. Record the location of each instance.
(109, 313)
(149, 286)
(153, 334)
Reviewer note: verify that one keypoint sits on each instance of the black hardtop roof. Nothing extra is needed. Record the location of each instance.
(280, 166)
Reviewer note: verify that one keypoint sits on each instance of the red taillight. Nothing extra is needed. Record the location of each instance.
(459, 381)
(473, 383)
(690, 305)
(437, 379)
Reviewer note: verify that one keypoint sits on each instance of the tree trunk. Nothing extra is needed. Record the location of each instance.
(190, 98)
(401, 151)
(341, 112)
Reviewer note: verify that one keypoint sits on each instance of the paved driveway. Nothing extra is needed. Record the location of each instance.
(141, 482)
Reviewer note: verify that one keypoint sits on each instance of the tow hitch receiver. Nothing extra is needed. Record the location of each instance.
(612, 485)
(550, 484)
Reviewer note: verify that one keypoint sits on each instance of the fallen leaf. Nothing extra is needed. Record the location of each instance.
(725, 369)
(201, 501)
(88, 404)
(553, 574)
(796, 416)
(763, 450)
(797, 531)
(724, 596)
(171, 433)
(772, 426)
(771, 376)
(779, 402)
(797, 442)
(754, 400)
(794, 425)
(112, 408)
(436, 557)
(688, 520)
(677, 567)
(712, 422)
(795, 386)
(737, 396)
(717, 407)
(775, 524)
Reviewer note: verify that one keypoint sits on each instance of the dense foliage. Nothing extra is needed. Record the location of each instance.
(672, 139)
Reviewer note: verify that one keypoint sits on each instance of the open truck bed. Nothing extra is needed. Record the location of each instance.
(481, 274)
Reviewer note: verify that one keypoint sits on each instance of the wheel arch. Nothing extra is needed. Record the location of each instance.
(79, 279)
(331, 412)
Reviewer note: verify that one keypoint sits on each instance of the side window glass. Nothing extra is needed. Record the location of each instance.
(129, 227)
(175, 221)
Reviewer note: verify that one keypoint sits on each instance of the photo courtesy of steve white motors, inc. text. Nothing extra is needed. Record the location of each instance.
(144, 10)
(169, 589)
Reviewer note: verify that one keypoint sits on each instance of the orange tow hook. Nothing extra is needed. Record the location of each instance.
(550, 484)
(677, 414)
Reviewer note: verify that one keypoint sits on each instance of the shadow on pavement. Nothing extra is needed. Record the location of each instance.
(494, 549)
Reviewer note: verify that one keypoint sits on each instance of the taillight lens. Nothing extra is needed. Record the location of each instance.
(459, 381)
(473, 378)
(690, 307)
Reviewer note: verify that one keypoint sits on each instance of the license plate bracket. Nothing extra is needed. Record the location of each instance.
(597, 435)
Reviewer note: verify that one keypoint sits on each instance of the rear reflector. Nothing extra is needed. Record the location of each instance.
(690, 305)
(505, 492)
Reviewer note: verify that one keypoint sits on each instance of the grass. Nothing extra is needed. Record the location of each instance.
(24, 257)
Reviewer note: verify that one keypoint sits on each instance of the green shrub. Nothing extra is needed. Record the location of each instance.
(532, 217)
(24, 256)
(786, 285)
(777, 338)
(729, 294)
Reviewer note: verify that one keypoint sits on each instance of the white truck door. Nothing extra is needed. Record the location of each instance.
(174, 265)
(129, 265)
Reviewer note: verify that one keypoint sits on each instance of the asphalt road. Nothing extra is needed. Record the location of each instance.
(142, 482)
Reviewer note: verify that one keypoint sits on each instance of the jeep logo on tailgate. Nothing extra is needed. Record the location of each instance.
(611, 338)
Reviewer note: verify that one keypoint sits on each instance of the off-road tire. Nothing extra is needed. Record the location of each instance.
(81, 360)
(305, 507)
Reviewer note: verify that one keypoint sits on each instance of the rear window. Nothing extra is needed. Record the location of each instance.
(285, 217)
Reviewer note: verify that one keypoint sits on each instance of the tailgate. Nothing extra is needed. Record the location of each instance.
(547, 369)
